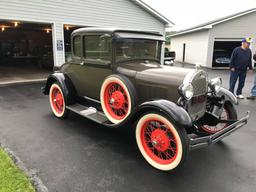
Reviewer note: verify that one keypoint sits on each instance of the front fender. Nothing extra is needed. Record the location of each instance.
(170, 109)
(228, 95)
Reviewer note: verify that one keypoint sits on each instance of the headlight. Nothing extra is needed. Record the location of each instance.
(187, 91)
(215, 84)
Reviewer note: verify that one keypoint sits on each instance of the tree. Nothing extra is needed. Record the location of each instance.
(168, 37)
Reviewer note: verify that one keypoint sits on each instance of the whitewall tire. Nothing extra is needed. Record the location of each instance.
(160, 142)
(116, 98)
(57, 101)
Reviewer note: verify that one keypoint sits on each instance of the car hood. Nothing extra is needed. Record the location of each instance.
(154, 72)
(155, 81)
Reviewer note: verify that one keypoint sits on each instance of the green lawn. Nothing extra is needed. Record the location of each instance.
(12, 179)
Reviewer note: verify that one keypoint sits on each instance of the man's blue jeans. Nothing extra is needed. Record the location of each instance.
(241, 75)
(253, 91)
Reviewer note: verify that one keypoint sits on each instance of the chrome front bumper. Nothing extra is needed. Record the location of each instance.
(199, 142)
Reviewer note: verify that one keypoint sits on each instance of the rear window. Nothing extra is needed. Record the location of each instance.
(77, 46)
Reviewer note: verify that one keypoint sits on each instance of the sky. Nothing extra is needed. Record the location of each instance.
(188, 13)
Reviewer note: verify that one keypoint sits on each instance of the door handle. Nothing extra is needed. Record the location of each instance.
(82, 63)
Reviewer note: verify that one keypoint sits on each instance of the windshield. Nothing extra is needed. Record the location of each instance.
(136, 49)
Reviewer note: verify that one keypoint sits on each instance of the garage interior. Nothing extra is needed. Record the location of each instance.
(26, 51)
(224, 49)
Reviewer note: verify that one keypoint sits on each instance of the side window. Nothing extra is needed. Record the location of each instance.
(97, 48)
(77, 46)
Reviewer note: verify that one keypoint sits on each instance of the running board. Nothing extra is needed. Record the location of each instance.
(88, 112)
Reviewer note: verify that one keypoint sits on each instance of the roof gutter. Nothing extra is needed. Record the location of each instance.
(191, 31)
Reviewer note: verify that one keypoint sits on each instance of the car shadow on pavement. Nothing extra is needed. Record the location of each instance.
(122, 141)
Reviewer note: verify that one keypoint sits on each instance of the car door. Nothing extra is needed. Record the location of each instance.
(94, 64)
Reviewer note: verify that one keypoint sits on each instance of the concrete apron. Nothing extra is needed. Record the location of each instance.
(21, 82)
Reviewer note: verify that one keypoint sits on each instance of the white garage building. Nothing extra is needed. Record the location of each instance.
(203, 43)
(38, 32)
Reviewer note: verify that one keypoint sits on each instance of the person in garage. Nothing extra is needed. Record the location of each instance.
(253, 90)
(241, 60)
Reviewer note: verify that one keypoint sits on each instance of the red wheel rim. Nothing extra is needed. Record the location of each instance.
(219, 126)
(159, 142)
(57, 100)
(116, 101)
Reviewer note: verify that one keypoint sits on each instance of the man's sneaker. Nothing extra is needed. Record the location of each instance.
(240, 96)
(251, 97)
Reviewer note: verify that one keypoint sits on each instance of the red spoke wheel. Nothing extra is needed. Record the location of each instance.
(116, 98)
(228, 113)
(161, 144)
(57, 101)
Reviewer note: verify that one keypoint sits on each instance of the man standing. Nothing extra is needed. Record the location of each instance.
(241, 60)
(253, 90)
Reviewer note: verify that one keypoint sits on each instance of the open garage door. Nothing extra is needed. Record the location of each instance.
(222, 52)
(26, 51)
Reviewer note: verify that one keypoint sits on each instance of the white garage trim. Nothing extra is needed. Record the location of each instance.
(228, 39)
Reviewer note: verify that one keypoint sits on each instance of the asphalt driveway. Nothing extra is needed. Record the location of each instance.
(79, 155)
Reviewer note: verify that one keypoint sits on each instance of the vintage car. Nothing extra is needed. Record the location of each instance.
(221, 58)
(169, 56)
(115, 79)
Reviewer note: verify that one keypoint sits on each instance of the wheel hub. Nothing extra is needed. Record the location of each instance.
(58, 99)
(117, 100)
(160, 140)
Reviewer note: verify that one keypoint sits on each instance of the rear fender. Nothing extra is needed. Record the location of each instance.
(170, 109)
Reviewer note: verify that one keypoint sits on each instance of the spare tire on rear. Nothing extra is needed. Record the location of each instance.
(117, 98)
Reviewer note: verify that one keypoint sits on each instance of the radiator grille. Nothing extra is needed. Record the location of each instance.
(199, 82)
(200, 85)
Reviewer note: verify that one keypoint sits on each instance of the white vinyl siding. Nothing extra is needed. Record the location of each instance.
(118, 13)
(196, 47)
(234, 30)
(57, 32)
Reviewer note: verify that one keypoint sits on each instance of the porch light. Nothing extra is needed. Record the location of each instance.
(16, 24)
(3, 29)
